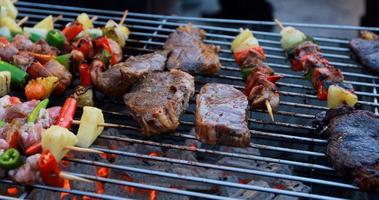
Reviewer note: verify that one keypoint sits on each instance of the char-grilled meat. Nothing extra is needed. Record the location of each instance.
(221, 116)
(367, 52)
(190, 54)
(157, 101)
(117, 80)
(353, 145)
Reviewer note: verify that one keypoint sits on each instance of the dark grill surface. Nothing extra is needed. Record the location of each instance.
(291, 140)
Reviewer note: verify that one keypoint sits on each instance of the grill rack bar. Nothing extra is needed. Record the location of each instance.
(162, 21)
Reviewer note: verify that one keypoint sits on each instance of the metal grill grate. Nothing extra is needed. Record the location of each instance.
(291, 140)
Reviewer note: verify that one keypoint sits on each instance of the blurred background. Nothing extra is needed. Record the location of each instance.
(341, 12)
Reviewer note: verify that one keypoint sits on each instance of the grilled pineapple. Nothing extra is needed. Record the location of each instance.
(10, 24)
(89, 128)
(5, 83)
(245, 34)
(338, 96)
(85, 21)
(47, 23)
(10, 8)
(55, 139)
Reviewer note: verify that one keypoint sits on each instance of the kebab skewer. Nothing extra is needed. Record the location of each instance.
(260, 79)
(305, 55)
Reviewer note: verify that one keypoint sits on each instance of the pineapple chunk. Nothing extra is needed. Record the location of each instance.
(11, 9)
(89, 129)
(291, 37)
(46, 23)
(10, 24)
(247, 44)
(55, 139)
(5, 83)
(85, 21)
(240, 38)
(338, 96)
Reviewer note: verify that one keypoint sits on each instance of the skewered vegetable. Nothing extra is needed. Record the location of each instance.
(47, 23)
(84, 96)
(50, 170)
(55, 38)
(92, 32)
(5, 32)
(35, 148)
(10, 159)
(72, 30)
(33, 116)
(116, 32)
(1, 123)
(11, 10)
(18, 76)
(85, 75)
(242, 36)
(66, 115)
(5, 83)
(89, 128)
(64, 60)
(55, 139)
(40, 88)
(338, 96)
(291, 37)
(84, 19)
(36, 34)
(10, 24)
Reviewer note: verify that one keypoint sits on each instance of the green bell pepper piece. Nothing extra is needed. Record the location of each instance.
(245, 72)
(65, 60)
(10, 159)
(2, 123)
(105, 56)
(19, 77)
(33, 116)
(55, 38)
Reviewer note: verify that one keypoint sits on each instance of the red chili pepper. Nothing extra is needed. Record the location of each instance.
(4, 41)
(85, 75)
(322, 92)
(296, 65)
(66, 115)
(242, 55)
(274, 78)
(72, 30)
(104, 43)
(14, 100)
(85, 46)
(50, 170)
(35, 148)
(13, 139)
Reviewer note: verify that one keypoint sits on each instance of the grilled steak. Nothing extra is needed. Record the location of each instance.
(353, 145)
(119, 78)
(190, 54)
(366, 49)
(157, 101)
(221, 116)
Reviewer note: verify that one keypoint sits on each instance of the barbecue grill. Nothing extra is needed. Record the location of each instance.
(291, 141)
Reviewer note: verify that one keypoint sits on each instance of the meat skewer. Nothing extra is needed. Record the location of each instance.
(260, 79)
(305, 55)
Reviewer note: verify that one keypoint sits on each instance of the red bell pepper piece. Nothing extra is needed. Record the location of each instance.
(4, 41)
(104, 43)
(34, 149)
(50, 170)
(85, 75)
(296, 65)
(13, 139)
(85, 46)
(274, 78)
(242, 55)
(72, 30)
(66, 115)
(322, 92)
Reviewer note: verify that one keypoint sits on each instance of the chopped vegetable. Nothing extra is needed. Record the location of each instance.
(72, 30)
(338, 96)
(40, 88)
(103, 42)
(50, 170)
(92, 32)
(104, 56)
(244, 34)
(241, 56)
(42, 58)
(5, 32)
(36, 34)
(291, 37)
(47, 23)
(55, 139)
(116, 32)
(55, 38)
(2, 123)
(13, 139)
(35, 148)
(84, 19)
(33, 116)
(66, 115)
(64, 59)
(85, 75)
(83, 95)
(5, 83)
(10, 24)
(18, 76)
(247, 44)
(10, 159)
(89, 128)
(85, 46)
(10, 8)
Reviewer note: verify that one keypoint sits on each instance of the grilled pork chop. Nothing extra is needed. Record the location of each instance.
(157, 101)
(119, 78)
(366, 49)
(190, 54)
(221, 116)
(353, 145)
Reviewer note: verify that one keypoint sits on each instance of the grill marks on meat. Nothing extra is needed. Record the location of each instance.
(117, 80)
(157, 101)
(367, 52)
(221, 116)
(353, 145)
(190, 54)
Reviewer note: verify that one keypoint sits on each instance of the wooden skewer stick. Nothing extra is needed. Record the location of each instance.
(107, 125)
(84, 150)
(94, 18)
(23, 20)
(72, 177)
(279, 23)
(57, 18)
(123, 17)
(269, 110)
